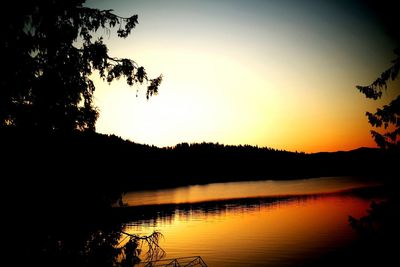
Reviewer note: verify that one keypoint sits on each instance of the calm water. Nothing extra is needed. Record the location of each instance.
(290, 230)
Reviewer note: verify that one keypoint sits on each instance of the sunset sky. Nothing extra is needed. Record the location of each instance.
(280, 74)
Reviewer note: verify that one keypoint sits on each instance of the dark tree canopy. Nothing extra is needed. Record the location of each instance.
(387, 117)
(50, 51)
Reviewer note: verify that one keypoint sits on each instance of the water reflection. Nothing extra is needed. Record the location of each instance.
(247, 189)
(155, 214)
(284, 231)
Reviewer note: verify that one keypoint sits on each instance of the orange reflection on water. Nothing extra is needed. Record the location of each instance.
(249, 189)
(275, 234)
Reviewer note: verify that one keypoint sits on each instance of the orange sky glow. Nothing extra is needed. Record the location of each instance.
(278, 74)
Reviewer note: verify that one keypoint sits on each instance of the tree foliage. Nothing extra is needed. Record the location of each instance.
(387, 117)
(84, 244)
(51, 48)
(131, 250)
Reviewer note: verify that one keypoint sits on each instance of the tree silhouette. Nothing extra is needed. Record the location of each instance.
(51, 48)
(388, 116)
(379, 228)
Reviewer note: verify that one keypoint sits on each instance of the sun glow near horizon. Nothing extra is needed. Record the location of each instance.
(246, 74)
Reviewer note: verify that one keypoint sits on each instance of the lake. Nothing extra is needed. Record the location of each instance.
(260, 223)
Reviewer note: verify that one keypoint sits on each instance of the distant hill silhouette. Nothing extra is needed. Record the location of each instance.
(109, 163)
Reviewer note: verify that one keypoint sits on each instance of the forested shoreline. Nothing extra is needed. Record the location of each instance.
(91, 160)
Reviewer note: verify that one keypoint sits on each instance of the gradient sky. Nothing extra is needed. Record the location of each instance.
(280, 74)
